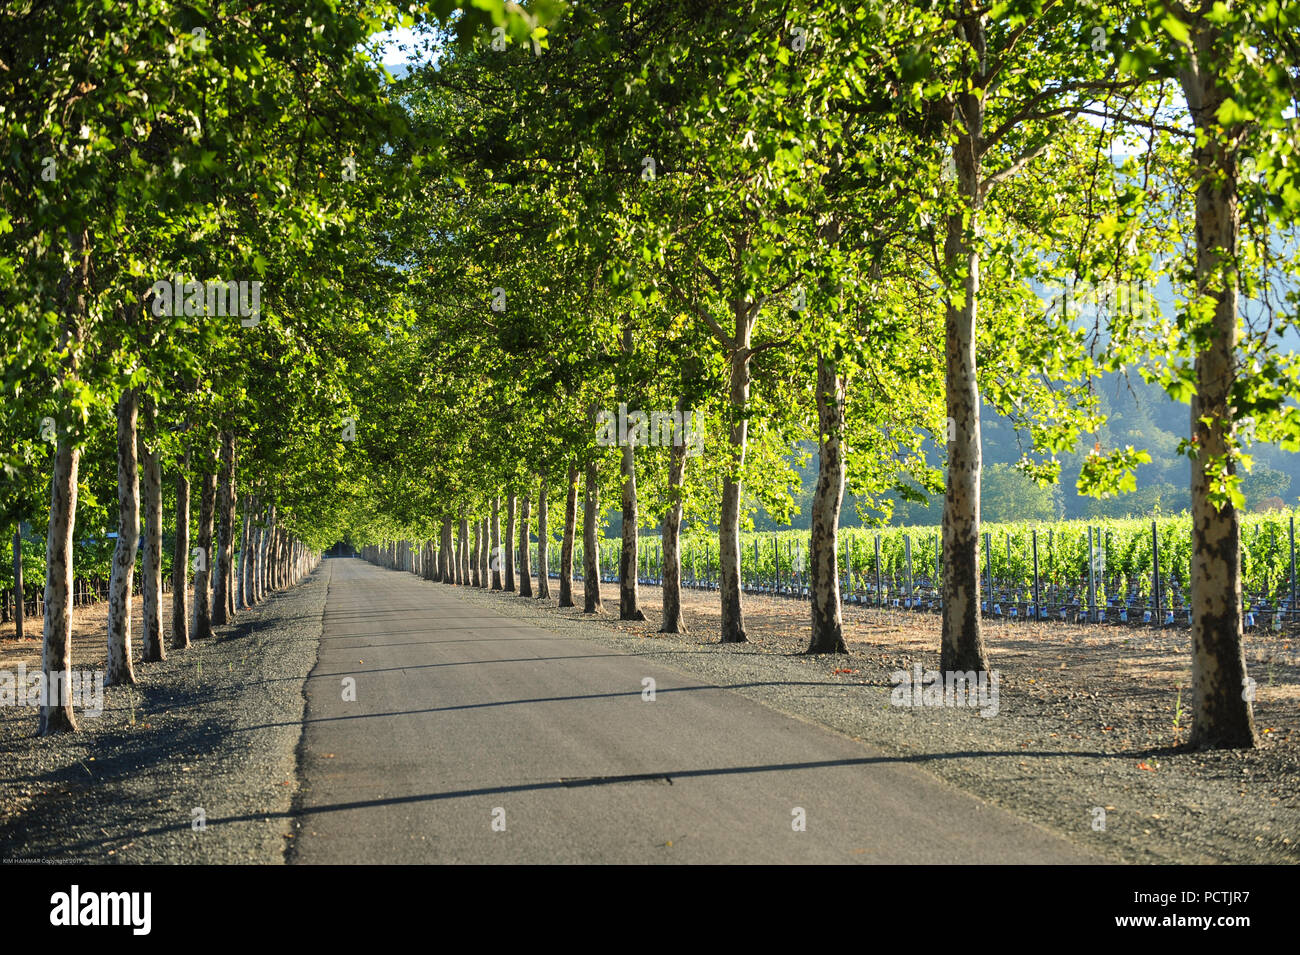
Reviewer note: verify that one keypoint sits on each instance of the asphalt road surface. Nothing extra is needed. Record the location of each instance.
(475, 738)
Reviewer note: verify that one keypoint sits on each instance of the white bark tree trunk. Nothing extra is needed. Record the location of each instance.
(56, 650)
(223, 601)
(464, 550)
(496, 558)
(543, 543)
(962, 642)
(827, 618)
(243, 594)
(155, 646)
(591, 542)
(484, 533)
(670, 534)
(733, 617)
(567, 541)
(121, 669)
(525, 571)
(18, 581)
(510, 543)
(1222, 715)
(445, 557)
(474, 549)
(203, 566)
(629, 596)
(180, 638)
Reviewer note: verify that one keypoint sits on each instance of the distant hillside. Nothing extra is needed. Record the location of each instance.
(1139, 414)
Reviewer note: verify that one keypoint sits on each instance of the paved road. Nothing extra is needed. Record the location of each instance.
(467, 721)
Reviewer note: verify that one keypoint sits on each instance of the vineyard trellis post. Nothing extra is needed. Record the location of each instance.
(1292, 605)
(1038, 601)
(1155, 571)
(776, 554)
(878, 595)
(1105, 554)
(1092, 580)
(988, 568)
(1050, 563)
(907, 557)
(938, 565)
(846, 578)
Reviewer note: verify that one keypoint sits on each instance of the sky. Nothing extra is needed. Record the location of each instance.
(392, 41)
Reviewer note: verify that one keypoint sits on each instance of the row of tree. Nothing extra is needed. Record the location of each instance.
(783, 220)
(830, 219)
(179, 224)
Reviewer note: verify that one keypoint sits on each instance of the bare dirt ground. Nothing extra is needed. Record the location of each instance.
(89, 635)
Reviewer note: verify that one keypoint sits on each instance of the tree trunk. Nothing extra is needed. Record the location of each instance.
(181, 559)
(203, 567)
(264, 557)
(459, 571)
(56, 648)
(228, 569)
(496, 558)
(510, 543)
(629, 602)
(255, 510)
(1222, 715)
(827, 620)
(56, 651)
(484, 578)
(18, 582)
(281, 558)
(456, 553)
(121, 669)
(261, 581)
(474, 549)
(224, 599)
(591, 543)
(445, 557)
(155, 646)
(464, 556)
(733, 618)
(543, 544)
(243, 591)
(566, 543)
(525, 570)
(962, 642)
(670, 534)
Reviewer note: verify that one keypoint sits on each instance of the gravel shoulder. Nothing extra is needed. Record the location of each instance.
(212, 729)
(1083, 737)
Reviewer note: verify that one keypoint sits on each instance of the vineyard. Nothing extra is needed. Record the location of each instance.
(1028, 570)
(94, 562)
